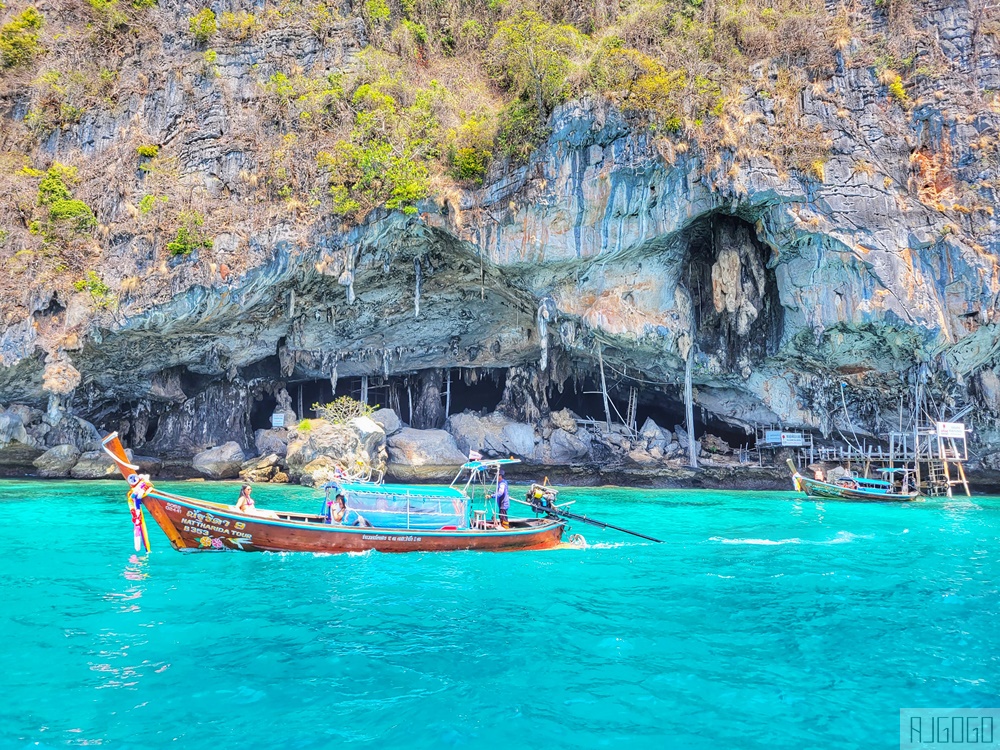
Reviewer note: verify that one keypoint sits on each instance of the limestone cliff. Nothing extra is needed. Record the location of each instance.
(874, 264)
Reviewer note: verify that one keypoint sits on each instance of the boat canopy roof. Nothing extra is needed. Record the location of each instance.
(397, 490)
(486, 463)
(873, 482)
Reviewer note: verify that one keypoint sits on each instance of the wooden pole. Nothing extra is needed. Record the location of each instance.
(447, 396)
(689, 408)
(604, 388)
(364, 390)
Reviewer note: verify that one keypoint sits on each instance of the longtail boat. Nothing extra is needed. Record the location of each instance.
(854, 488)
(404, 518)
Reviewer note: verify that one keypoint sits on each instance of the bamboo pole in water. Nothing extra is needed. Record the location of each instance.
(689, 408)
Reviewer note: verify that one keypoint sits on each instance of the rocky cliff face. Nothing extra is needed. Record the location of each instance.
(876, 267)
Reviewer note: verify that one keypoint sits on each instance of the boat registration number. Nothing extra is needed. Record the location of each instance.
(380, 538)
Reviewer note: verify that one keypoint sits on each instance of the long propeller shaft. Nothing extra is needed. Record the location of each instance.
(554, 511)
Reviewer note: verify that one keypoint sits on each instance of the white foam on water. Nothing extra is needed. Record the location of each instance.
(842, 537)
(600, 545)
(767, 542)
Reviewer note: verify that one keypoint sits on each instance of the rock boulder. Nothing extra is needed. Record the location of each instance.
(565, 420)
(356, 447)
(389, 421)
(222, 462)
(272, 441)
(263, 469)
(57, 461)
(423, 454)
(568, 448)
(148, 465)
(96, 465)
(493, 435)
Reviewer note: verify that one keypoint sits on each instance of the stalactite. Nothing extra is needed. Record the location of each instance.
(347, 279)
(333, 378)
(545, 314)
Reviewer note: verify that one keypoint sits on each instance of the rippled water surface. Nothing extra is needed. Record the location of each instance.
(763, 622)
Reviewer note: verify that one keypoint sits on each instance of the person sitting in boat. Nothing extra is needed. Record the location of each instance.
(341, 514)
(245, 503)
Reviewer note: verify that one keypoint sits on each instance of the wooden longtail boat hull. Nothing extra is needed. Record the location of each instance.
(196, 525)
(826, 490)
(192, 524)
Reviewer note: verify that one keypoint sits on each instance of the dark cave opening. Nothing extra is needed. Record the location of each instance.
(261, 410)
(737, 309)
(477, 390)
(473, 389)
(151, 427)
(663, 408)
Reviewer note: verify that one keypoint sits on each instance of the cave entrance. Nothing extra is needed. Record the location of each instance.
(737, 311)
(476, 390)
(664, 405)
(261, 411)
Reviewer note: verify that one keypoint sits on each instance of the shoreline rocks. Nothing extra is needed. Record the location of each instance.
(222, 462)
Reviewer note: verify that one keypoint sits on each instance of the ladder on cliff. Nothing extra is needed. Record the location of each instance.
(949, 452)
(936, 482)
(633, 406)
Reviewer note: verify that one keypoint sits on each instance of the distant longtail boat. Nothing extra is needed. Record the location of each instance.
(854, 488)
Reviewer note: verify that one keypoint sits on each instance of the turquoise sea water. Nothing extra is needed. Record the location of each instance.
(765, 621)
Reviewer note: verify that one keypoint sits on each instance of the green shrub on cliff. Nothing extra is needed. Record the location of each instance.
(190, 236)
(19, 43)
(100, 293)
(203, 25)
(53, 186)
(310, 102)
(385, 161)
(74, 214)
(60, 219)
(377, 11)
(239, 25)
(522, 129)
(109, 14)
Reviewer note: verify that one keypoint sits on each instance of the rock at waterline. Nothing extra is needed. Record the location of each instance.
(263, 469)
(96, 465)
(356, 446)
(222, 462)
(567, 448)
(371, 434)
(57, 462)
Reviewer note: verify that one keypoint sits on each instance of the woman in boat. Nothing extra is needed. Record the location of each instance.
(340, 514)
(245, 503)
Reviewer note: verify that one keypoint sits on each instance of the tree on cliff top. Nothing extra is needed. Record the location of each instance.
(533, 57)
